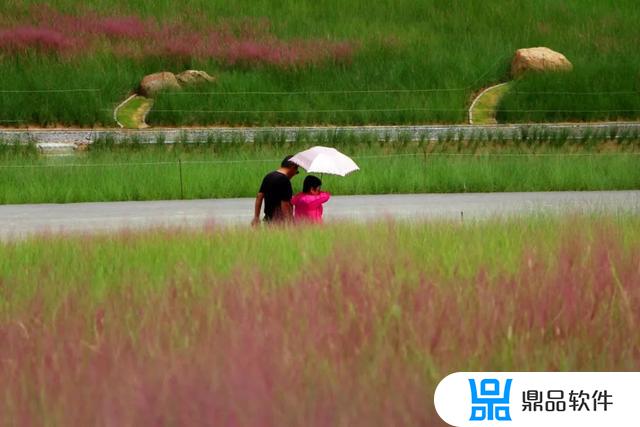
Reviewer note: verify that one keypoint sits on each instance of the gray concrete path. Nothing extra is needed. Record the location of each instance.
(18, 221)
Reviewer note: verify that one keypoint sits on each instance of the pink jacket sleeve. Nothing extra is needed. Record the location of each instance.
(321, 198)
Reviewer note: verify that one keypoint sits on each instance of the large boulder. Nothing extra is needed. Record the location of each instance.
(538, 59)
(192, 77)
(156, 82)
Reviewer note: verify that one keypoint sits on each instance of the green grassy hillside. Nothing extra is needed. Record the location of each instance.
(300, 62)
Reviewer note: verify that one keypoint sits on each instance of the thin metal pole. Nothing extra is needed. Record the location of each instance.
(181, 184)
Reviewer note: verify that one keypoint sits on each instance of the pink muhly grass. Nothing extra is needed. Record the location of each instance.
(181, 47)
(43, 15)
(353, 339)
(128, 27)
(22, 38)
(245, 42)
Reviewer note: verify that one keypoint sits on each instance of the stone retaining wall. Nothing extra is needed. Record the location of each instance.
(415, 133)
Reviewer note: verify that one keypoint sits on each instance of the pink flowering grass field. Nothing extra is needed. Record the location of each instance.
(244, 41)
(341, 325)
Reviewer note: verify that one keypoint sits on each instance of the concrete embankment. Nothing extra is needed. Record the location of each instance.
(69, 139)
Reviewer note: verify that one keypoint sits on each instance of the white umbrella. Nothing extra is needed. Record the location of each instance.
(325, 160)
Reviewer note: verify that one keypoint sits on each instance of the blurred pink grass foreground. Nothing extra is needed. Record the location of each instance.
(360, 338)
(248, 42)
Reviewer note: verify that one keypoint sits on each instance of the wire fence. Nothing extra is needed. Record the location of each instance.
(389, 110)
(334, 92)
(586, 93)
(388, 91)
(336, 110)
(318, 92)
(48, 90)
(616, 112)
(424, 154)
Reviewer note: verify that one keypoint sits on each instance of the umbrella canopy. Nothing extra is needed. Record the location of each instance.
(325, 160)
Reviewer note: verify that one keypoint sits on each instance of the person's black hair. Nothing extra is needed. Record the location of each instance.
(310, 182)
(287, 163)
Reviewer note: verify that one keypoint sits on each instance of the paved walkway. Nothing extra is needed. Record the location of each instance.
(17, 221)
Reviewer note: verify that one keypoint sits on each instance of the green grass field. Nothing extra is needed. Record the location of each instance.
(133, 171)
(407, 62)
(340, 325)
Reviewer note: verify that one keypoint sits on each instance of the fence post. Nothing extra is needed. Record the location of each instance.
(181, 184)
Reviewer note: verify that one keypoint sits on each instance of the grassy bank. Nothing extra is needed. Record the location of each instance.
(312, 61)
(112, 172)
(341, 325)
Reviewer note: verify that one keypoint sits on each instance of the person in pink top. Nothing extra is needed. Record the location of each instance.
(308, 204)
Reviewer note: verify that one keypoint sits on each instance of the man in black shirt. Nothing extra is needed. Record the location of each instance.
(276, 192)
